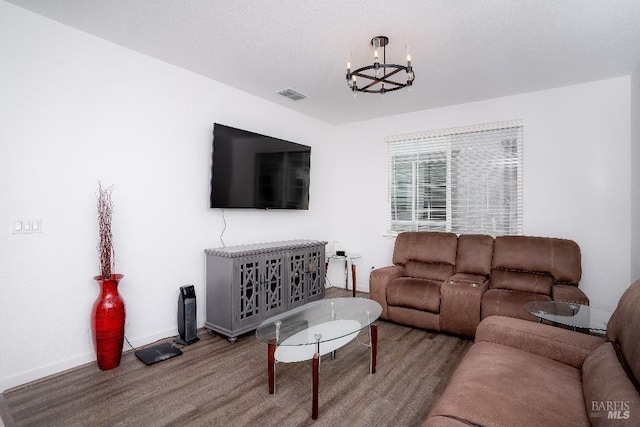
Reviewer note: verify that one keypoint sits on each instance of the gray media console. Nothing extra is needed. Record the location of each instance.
(249, 283)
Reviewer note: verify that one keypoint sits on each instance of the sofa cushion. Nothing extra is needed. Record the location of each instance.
(496, 385)
(474, 254)
(429, 270)
(416, 318)
(623, 328)
(419, 294)
(607, 388)
(509, 303)
(435, 247)
(559, 258)
(521, 281)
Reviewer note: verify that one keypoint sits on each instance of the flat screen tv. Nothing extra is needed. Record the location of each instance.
(250, 170)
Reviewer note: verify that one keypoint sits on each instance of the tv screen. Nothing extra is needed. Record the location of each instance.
(250, 170)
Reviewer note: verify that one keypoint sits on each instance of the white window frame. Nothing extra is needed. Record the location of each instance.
(500, 173)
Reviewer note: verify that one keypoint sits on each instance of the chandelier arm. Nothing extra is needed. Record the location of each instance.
(397, 86)
(373, 83)
(383, 79)
(371, 67)
(378, 91)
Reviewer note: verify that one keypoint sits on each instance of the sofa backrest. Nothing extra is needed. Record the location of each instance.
(534, 264)
(475, 252)
(623, 329)
(426, 254)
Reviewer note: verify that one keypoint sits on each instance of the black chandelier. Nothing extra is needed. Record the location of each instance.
(379, 74)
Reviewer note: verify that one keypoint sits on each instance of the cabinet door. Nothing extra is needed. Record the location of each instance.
(315, 273)
(248, 305)
(272, 281)
(296, 278)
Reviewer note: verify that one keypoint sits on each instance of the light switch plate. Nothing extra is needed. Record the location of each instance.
(26, 225)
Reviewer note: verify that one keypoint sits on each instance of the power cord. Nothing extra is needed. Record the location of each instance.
(224, 220)
(132, 347)
(174, 343)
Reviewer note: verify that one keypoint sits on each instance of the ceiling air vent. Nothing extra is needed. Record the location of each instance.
(292, 94)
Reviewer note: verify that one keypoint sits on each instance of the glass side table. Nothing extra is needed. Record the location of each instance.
(576, 316)
(348, 258)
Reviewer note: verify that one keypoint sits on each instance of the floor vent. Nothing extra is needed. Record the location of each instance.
(292, 94)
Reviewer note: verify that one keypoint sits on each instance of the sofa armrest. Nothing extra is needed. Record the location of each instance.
(378, 281)
(569, 293)
(555, 343)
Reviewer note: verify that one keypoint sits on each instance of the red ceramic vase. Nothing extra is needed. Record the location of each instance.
(107, 322)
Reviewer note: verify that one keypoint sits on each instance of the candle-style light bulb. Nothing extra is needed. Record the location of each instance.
(410, 75)
(376, 48)
(376, 57)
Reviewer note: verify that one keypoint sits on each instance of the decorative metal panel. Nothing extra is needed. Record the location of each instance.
(296, 278)
(249, 289)
(316, 284)
(273, 284)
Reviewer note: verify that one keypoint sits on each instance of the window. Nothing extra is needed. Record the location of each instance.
(463, 180)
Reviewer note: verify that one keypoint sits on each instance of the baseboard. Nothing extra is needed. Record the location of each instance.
(359, 288)
(25, 377)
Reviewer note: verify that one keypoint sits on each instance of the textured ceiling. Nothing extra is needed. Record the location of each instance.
(462, 50)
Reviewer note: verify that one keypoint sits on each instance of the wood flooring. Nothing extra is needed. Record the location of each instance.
(216, 383)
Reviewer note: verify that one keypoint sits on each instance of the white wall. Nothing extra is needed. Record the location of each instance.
(576, 175)
(76, 109)
(635, 170)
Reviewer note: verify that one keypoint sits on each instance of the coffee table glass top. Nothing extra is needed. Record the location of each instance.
(334, 317)
(570, 314)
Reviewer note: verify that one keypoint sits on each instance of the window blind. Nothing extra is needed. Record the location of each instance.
(464, 180)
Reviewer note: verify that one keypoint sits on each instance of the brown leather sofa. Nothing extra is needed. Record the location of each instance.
(445, 282)
(520, 373)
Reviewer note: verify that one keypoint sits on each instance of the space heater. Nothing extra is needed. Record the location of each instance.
(187, 325)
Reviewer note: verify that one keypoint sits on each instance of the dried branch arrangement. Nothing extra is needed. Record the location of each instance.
(105, 246)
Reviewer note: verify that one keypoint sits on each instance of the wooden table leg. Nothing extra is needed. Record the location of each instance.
(315, 380)
(271, 369)
(374, 347)
(353, 277)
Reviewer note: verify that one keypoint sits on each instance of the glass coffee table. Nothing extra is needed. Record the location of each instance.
(576, 316)
(315, 329)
